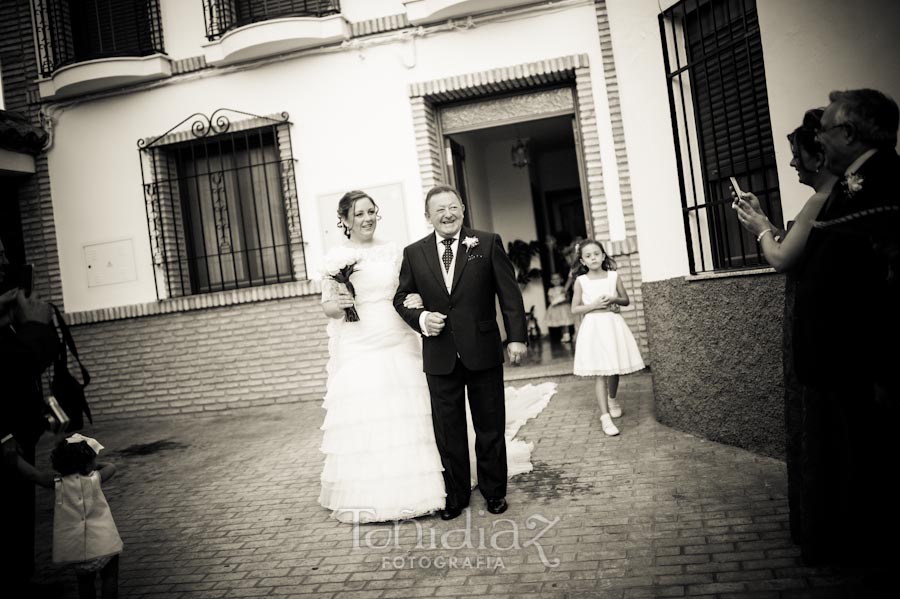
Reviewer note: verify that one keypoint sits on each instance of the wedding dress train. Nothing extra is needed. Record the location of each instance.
(381, 461)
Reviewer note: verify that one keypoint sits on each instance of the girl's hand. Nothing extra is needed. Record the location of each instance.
(603, 302)
(413, 301)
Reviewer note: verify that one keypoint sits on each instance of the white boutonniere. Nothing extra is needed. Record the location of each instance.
(854, 183)
(470, 242)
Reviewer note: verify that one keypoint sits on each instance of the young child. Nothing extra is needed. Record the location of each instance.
(84, 533)
(559, 312)
(605, 348)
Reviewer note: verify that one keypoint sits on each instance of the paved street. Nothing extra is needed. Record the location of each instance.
(225, 506)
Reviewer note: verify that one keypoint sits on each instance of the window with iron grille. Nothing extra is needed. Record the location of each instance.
(223, 15)
(221, 206)
(72, 31)
(720, 119)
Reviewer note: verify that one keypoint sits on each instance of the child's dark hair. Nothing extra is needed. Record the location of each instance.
(73, 458)
(607, 264)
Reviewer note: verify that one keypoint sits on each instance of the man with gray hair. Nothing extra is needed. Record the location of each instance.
(847, 332)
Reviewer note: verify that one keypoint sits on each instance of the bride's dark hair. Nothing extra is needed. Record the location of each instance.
(345, 206)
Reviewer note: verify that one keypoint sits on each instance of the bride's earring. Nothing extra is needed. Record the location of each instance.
(344, 227)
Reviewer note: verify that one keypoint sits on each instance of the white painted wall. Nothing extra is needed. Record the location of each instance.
(360, 10)
(352, 129)
(809, 46)
(184, 28)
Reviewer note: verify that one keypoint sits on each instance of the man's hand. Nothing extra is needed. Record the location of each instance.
(517, 350)
(32, 309)
(434, 323)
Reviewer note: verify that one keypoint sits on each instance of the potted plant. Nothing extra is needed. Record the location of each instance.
(521, 253)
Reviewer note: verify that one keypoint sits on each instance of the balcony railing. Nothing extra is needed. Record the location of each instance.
(73, 31)
(224, 15)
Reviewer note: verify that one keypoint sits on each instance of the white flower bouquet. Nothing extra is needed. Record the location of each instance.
(339, 265)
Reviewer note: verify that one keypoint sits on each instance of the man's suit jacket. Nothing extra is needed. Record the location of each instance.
(481, 274)
(24, 355)
(846, 312)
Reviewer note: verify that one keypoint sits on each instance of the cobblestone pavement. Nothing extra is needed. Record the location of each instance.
(225, 506)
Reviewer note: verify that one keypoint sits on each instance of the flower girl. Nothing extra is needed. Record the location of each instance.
(84, 533)
(605, 347)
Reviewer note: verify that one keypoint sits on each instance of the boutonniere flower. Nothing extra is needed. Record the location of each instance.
(853, 183)
(470, 242)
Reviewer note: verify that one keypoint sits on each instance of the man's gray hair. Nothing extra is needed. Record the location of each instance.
(874, 116)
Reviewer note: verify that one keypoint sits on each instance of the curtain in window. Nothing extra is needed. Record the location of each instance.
(234, 216)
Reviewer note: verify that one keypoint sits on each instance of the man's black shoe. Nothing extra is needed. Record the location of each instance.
(450, 513)
(497, 505)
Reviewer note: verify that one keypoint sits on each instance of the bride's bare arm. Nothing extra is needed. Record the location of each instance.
(335, 298)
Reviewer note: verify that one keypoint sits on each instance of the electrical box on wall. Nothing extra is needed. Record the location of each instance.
(109, 263)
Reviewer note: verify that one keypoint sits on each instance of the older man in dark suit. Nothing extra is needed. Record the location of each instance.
(846, 334)
(460, 273)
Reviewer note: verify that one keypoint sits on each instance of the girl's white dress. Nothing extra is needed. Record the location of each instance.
(559, 312)
(605, 345)
(84, 532)
(381, 461)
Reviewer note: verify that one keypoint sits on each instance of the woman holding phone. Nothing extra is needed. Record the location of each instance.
(807, 470)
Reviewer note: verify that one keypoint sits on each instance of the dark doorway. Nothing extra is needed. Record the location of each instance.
(11, 221)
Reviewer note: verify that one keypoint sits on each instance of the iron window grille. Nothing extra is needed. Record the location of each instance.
(221, 204)
(720, 120)
(72, 31)
(224, 15)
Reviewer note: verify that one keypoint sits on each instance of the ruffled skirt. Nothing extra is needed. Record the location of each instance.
(381, 460)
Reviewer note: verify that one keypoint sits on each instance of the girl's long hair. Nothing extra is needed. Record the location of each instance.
(607, 264)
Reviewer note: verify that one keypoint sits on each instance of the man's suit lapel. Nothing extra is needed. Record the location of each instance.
(841, 202)
(429, 248)
(462, 258)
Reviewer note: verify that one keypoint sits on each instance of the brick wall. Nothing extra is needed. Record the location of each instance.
(207, 360)
(19, 63)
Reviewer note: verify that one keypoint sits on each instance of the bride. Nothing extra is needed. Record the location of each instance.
(381, 461)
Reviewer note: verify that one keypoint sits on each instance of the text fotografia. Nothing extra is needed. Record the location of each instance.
(443, 562)
(503, 534)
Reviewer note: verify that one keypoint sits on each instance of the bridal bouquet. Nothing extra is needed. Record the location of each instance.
(339, 265)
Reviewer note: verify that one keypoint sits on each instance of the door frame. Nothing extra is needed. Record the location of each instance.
(428, 98)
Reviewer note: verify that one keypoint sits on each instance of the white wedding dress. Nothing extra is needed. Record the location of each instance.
(381, 461)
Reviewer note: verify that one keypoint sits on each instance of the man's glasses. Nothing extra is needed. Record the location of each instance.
(823, 130)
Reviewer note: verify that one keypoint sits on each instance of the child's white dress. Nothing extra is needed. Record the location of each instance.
(84, 532)
(605, 345)
(559, 313)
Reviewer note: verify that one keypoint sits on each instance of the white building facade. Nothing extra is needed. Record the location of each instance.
(198, 150)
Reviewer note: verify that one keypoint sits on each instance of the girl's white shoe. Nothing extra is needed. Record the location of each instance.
(607, 424)
(615, 410)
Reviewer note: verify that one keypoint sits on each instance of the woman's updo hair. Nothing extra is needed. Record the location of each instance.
(804, 137)
(73, 458)
(345, 207)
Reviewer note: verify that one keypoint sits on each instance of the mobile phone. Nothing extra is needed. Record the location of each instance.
(19, 276)
(737, 188)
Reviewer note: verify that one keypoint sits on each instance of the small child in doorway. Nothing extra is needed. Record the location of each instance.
(605, 347)
(559, 311)
(84, 533)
